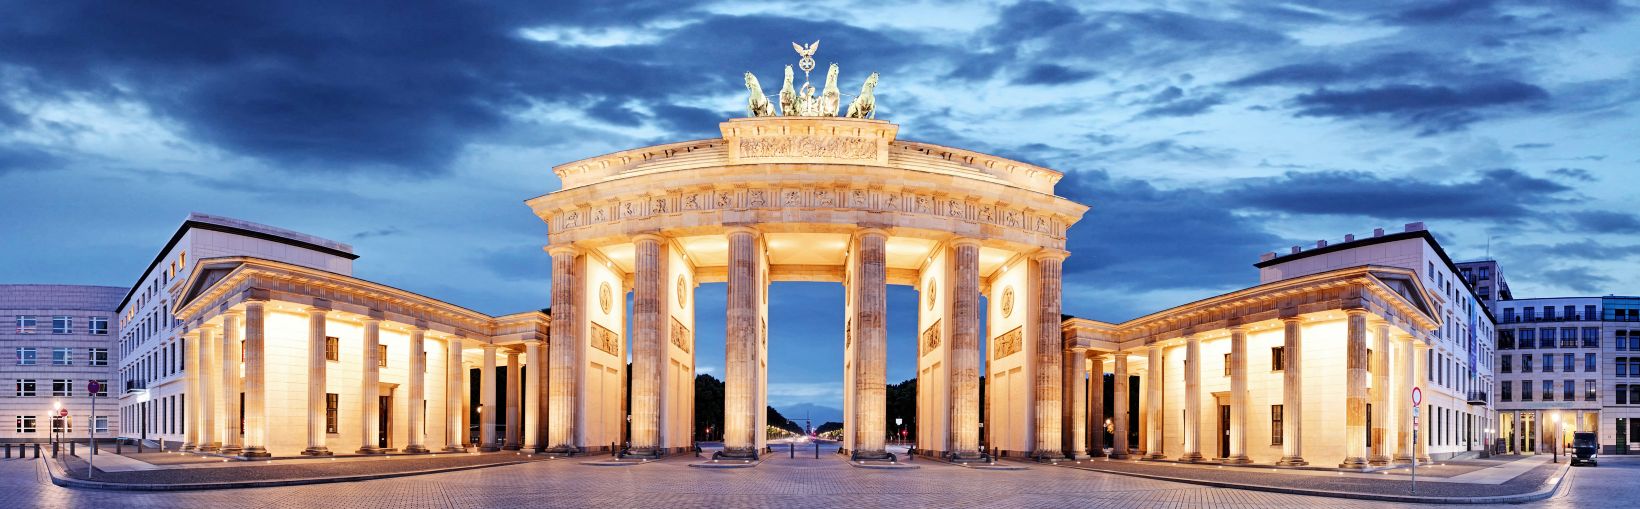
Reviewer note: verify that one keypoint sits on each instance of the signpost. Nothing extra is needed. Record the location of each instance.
(1417, 398)
(94, 387)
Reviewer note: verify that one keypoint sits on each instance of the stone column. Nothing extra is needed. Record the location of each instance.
(1383, 433)
(370, 387)
(455, 388)
(256, 417)
(1421, 447)
(965, 351)
(648, 345)
(209, 378)
(871, 346)
(1405, 379)
(1238, 396)
(532, 389)
(1153, 450)
(1049, 339)
(190, 413)
(1292, 378)
(1355, 390)
(1076, 414)
(316, 383)
(1119, 410)
(1096, 404)
(486, 417)
(740, 348)
(1192, 399)
(564, 352)
(418, 391)
(1514, 440)
(514, 404)
(232, 385)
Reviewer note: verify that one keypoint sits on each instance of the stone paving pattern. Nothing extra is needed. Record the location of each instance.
(1528, 482)
(288, 469)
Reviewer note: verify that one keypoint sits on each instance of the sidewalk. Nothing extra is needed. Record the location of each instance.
(123, 473)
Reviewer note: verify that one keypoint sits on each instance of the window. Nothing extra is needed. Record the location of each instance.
(1568, 390)
(331, 406)
(26, 424)
(1634, 394)
(62, 424)
(25, 388)
(26, 324)
(381, 355)
(1548, 390)
(1622, 340)
(1568, 362)
(1622, 366)
(62, 324)
(1526, 363)
(1275, 424)
(332, 348)
(1528, 339)
(1589, 364)
(1622, 394)
(1508, 315)
(1278, 359)
(1528, 314)
(1525, 390)
(97, 356)
(61, 356)
(1226, 364)
(1508, 391)
(1591, 337)
(102, 388)
(1589, 313)
(1548, 313)
(1590, 388)
(26, 356)
(97, 325)
(1568, 337)
(62, 387)
(1506, 339)
(1507, 364)
(100, 424)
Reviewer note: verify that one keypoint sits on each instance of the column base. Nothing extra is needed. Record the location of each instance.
(1192, 457)
(455, 448)
(1292, 461)
(643, 453)
(1154, 456)
(187, 447)
(416, 449)
(371, 450)
(255, 451)
(968, 457)
(741, 453)
(1048, 455)
(228, 450)
(1118, 455)
(1237, 460)
(1403, 460)
(559, 450)
(1354, 464)
(317, 451)
(488, 448)
(511, 447)
(1378, 461)
(1078, 456)
(1425, 460)
(211, 447)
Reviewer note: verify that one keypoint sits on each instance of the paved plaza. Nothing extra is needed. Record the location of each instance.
(778, 482)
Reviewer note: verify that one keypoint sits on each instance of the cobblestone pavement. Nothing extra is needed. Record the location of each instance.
(779, 482)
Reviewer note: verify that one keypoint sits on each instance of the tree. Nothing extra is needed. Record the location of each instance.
(708, 408)
(902, 404)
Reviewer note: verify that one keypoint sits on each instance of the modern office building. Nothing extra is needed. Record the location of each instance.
(1549, 370)
(58, 338)
(1620, 390)
(1485, 277)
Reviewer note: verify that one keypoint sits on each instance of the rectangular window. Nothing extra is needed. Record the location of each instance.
(1548, 390)
(1508, 315)
(62, 424)
(1275, 424)
(25, 388)
(61, 387)
(1568, 337)
(1622, 393)
(1634, 394)
(1548, 363)
(97, 356)
(102, 388)
(381, 355)
(62, 324)
(101, 424)
(1528, 339)
(1591, 337)
(331, 406)
(61, 356)
(1226, 364)
(26, 324)
(1568, 390)
(26, 356)
(1568, 362)
(1528, 314)
(1508, 392)
(1278, 359)
(1507, 364)
(1525, 390)
(97, 325)
(1590, 390)
(333, 347)
(1526, 363)
(1589, 364)
(1622, 366)
(1622, 340)
(26, 424)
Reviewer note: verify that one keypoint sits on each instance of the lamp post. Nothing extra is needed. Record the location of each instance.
(1554, 447)
(477, 439)
(898, 422)
(56, 418)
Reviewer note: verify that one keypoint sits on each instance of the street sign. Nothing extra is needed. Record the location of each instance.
(62, 412)
(1417, 396)
(94, 387)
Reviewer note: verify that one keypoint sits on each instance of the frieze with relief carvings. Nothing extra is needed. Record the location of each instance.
(680, 335)
(1007, 344)
(606, 340)
(931, 337)
(837, 147)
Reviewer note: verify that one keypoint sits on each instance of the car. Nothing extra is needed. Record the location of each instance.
(1585, 448)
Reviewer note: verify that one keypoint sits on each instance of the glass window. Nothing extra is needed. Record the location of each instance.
(1528, 339)
(1548, 390)
(1568, 362)
(381, 355)
(61, 356)
(1507, 364)
(1591, 337)
(1622, 340)
(101, 424)
(1590, 388)
(1275, 424)
(1525, 390)
(1226, 364)
(1622, 393)
(1622, 367)
(1634, 394)
(26, 356)
(332, 348)
(97, 325)
(62, 387)
(1526, 363)
(1568, 390)
(1548, 313)
(331, 406)
(1506, 339)
(1568, 337)
(1508, 391)
(26, 424)
(1508, 315)
(62, 424)
(1278, 358)
(1548, 363)
(25, 388)
(26, 324)
(1589, 364)
(62, 324)
(97, 356)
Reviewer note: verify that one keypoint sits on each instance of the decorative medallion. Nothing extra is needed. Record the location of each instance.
(683, 292)
(1007, 301)
(1006, 344)
(931, 288)
(606, 297)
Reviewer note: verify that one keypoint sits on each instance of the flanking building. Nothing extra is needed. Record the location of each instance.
(1549, 370)
(57, 338)
(1619, 423)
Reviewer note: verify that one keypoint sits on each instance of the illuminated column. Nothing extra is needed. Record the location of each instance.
(1049, 337)
(1383, 432)
(256, 417)
(316, 383)
(1119, 408)
(190, 345)
(965, 353)
(207, 398)
(1192, 399)
(1076, 418)
(486, 417)
(1153, 449)
(418, 391)
(370, 387)
(514, 412)
(532, 403)
(1096, 404)
(455, 387)
(1292, 378)
(1238, 396)
(871, 348)
(563, 350)
(232, 385)
(1355, 390)
(648, 345)
(1421, 447)
(1405, 380)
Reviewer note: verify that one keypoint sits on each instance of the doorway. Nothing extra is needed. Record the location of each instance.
(1224, 431)
(384, 419)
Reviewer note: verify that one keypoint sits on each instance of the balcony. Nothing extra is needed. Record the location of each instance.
(1478, 398)
(136, 386)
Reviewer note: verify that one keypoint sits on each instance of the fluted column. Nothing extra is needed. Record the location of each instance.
(1153, 449)
(1192, 399)
(232, 384)
(1076, 415)
(256, 417)
(455, 388)
(965, 351)
(871, 346)
(1049, 397)
(1405, 380)
(208, 380)
(1383, 432)
(370, 387)
(1292, 378)
(1119, 407)
(648, 345)
(740, 346)
(1096, 404)
(515, 414)
(316, 384)
(418, 391)
(1355, 390)
(190, 432)
(564, 352)
(486, 417)
(1421, 447)
(532, 389)
(1238, 396)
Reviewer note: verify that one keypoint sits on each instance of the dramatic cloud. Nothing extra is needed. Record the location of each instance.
(1432, 109)
(1509, 197)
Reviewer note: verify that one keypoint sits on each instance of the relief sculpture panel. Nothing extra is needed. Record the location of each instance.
(1006, 344)
(606, 340)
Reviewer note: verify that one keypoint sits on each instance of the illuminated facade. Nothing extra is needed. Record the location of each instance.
(57, 339)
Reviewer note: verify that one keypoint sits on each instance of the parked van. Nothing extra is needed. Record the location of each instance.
(1585, 448)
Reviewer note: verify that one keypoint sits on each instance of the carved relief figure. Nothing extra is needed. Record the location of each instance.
(857, 198)
(988, 214)
(724, 199)
(791, 197)
(680, 335)
(830, 97)
(1006, 344)
(954, 208)
(1007, 301)
(599, 215)
(606, 297)
(822, 198)
(757, 198)
(606, 340)
(865, 105)
(922, 204)
(631, 209)
(891, 201)
(657, 205)
(1012, 217)
(757, 104)
(572, 219)
(931, 338)
(692, 201)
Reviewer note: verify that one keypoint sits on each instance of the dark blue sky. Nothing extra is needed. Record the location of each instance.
(1201, 134)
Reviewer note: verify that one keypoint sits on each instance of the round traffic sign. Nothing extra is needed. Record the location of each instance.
(93, 386)
(1417, 396)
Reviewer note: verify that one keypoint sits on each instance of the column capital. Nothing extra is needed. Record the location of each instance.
(490, 348)
(1355, 311)
(1237, 329)
(317, 310)
(533, 342)
(870, 231)
(562, 250)
(733, 229)
(1077, 348)
(1292, 319)
(1050, 253)
(963, 241)
(653, 236)
(1095, 354)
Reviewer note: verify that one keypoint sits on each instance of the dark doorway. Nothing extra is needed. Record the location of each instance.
(384, 414)
(1224, 431)
(1369, 429)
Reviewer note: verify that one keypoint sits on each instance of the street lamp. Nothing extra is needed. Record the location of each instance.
(56, 411)
(1554, 447)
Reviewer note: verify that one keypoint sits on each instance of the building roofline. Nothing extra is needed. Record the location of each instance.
(201, 221)
(1391, 237)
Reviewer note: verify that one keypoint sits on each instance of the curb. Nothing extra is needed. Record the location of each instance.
(62, 479)
(1560, 479)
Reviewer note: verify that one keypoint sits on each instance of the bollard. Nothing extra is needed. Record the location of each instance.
(36, 450)
(119, 447)
(791, 449)
(8, 451)
(71, 448)
(817, 450)
(139, 447)
(55, 447)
